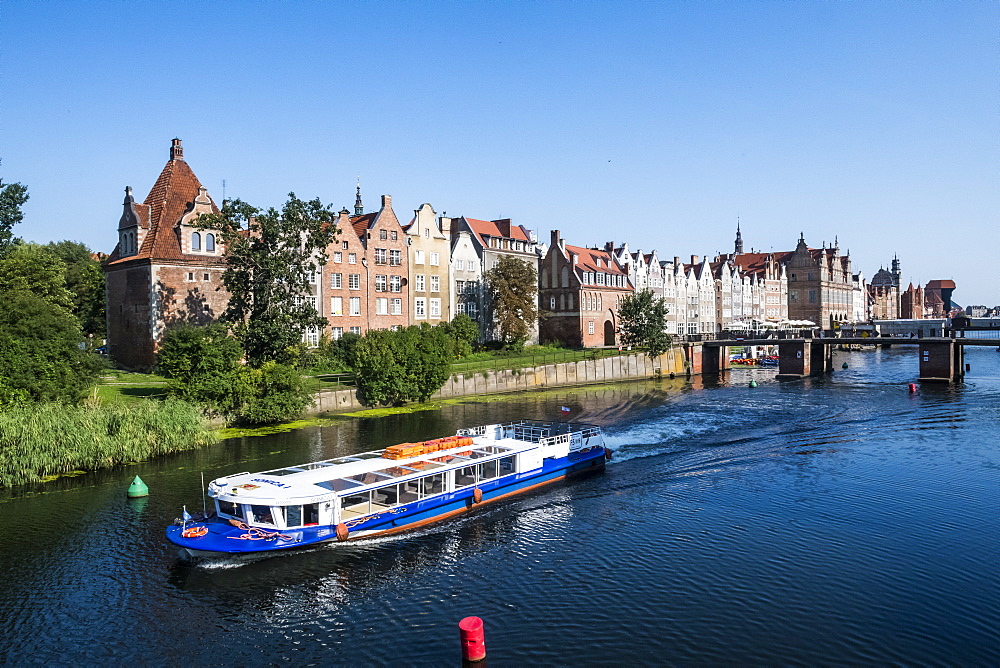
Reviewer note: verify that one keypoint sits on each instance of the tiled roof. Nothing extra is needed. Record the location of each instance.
(497, 228)
(362, 223)
(170, 198)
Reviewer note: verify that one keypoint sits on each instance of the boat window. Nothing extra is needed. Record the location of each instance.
(384, 497)
(283, 472)
(506, 466)
(279, 515)
(355, 505)
(229, 508)
(338, 484)
(487, 470)
(409, 491)
(261, 515)
(293, 516)
(310, 514)
(465, 477)
(432, 484)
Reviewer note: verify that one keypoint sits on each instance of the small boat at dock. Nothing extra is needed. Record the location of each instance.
(385, 491)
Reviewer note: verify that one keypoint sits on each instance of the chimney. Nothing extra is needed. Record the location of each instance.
(445, 225)
(609, 247)
(386, 201)
(694, 259)
(176, 150)
(558, 241)
(677, 261)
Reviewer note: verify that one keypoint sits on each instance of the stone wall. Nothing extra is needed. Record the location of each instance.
(606, 370)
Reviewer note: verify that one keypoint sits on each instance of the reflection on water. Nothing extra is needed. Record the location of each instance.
(837, 519)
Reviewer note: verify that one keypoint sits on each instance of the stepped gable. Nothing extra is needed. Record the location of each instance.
(171, 196)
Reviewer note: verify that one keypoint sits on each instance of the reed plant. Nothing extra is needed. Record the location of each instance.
(46, 439)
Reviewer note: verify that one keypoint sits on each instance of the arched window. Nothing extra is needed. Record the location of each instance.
(545, 278)
(552, 303)
(132, 245)
(195, 241)
(571, 301)
(210, 242)
(600, 302)
(562, 302)
(565, 277)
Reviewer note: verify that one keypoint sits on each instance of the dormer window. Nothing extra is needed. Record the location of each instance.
(210, 243)
(195, 241)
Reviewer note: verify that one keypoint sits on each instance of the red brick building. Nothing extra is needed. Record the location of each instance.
(579, 292)
(163, 271)
(364, 283)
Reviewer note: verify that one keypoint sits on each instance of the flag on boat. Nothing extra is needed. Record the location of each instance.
(186, 515)
(564, 409)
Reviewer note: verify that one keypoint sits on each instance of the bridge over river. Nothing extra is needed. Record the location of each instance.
(942, 359)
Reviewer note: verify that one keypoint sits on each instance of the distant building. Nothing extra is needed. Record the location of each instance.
(937, 298)
(164, 270)
(580, 290)
(429, 246)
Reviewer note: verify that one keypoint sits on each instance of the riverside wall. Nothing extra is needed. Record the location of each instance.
(676, 361)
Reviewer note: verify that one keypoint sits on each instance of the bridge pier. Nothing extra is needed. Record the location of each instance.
(715, 359)
(694, 355)
(821, 357)
(795, 358)
(941, 361)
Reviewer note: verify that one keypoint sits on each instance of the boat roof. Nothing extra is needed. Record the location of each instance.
(365, 470)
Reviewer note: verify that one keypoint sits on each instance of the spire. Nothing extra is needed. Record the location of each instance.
(128, 196)
(176, 150)
(358, 208)
(739, 237)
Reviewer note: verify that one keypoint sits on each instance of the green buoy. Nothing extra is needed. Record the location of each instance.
(844, 365)
(137, 489)
(753, 383)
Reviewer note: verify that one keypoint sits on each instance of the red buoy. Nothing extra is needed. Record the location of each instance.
(913, 387)
(473, 639)
(342, 531)
(477, 497)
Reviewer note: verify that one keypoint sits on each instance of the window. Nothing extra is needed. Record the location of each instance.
(381, 282)
(336, 280)
(381, 306)
(190, 275)
(435, 308)
(395, 257)
(397, 306)
(472, 309)
(395, 284)
(311, 277)
(337, 333)
(204, 277)
(210, 243)
(418, 257)
(356, 330)
(435, 259)
(338, 257)
(419, 307)
(354, 282)
(343, 245)
(460, 265)
(355, 305)
(312, 336)
(336, 306)
(352, 258)
(427, 234)
(459, 287)
(261, 515)
(393, 235)
(380, 254)
(552, 303)
(195, 241)
(418, 282)
(435, 284)
(460, 308)
(383, 234)
(590, 327)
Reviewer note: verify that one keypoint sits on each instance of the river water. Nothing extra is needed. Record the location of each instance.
(836, 520)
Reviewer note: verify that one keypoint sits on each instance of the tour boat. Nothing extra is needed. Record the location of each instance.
(385, 491)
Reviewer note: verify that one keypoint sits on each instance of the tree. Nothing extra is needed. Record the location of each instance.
(270, 255)
(271, 393)
(41, 358)
(408, 365)
(85, 282)
(12, 198)
(513, 289)
(203, 364)
(36, 269)
(642, 316)
(464, 332)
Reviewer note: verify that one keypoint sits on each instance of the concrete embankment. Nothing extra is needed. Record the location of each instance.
(609, 369)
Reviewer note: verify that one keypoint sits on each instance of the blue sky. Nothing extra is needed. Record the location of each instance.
(652, 123)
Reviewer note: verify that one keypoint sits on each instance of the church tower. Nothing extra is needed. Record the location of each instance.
(739, 238)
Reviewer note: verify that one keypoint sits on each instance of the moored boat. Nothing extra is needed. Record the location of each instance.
(386, 491)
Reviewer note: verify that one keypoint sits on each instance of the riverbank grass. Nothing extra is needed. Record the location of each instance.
(39, 441)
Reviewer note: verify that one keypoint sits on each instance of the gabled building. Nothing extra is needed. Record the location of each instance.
(164, 271)
(579, 293)
(491, 240)
(429, 247)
